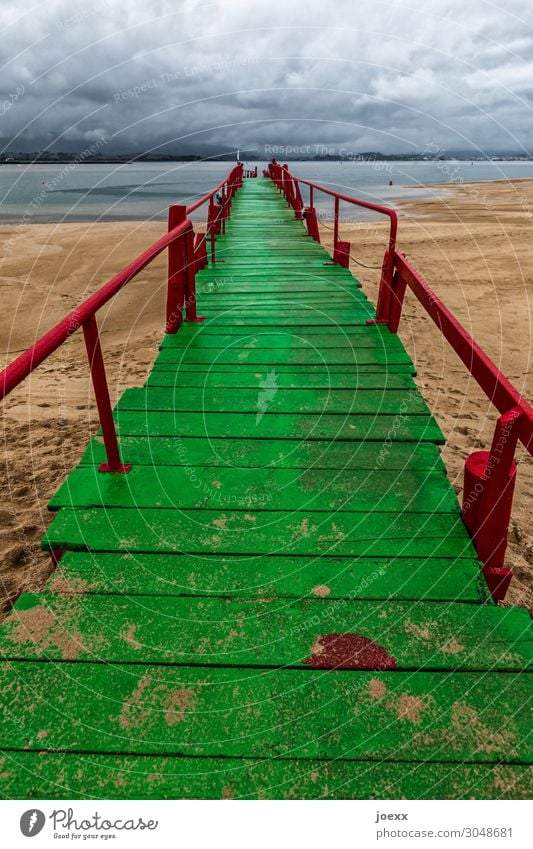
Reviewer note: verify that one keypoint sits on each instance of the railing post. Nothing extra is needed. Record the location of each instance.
(223, 207)
(383, 305)
(298, 200)
(176, 271)
(211, 227)
(397, 294)
(103, 402)
(336, 223)
(286, 185)
(190, 279)
(489, 481)
(312, 223)
(200, 251)
(341, 250)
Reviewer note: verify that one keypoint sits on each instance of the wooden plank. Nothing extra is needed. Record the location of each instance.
(272, 341)
(325, 490)
(178, 377)
(211, 328)
(257, 453)
(393, 428)
(344, 295)
(217, 283)
(268, 632)
(253, 532)
(377, 716)
(240, 368)
(71, 776)
(298, 357)
(269, 398)
(289, 319)
(298, 295)
(431, 578)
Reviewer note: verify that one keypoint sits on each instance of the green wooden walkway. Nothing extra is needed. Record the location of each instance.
(280, 599)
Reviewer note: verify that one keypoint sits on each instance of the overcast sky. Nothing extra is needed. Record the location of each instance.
(187, 76)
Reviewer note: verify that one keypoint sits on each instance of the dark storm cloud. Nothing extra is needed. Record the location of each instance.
(194, 76)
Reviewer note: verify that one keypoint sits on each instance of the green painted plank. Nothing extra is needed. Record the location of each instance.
(217, 293)
(296, 357)
(374, 716)
(253, 280)
(284, 380)
(322, 370)
(271, 249)
(272, 261)
(274, 633)
(289, 319)
(432, 579)
(328, 311)
(399, 428)
(272, 341)
(257, 453)
(256, 272)
(213, 305)
(269, 398)
(274, 303)
(172, 487)
(225, 276)
(265, 287)
(210, 328)
(36, 775)
(252, 532)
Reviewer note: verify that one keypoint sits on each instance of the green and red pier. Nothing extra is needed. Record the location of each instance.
(265, 586)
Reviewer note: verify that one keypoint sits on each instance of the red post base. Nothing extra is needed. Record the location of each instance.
(56, 554)
(487, 503)
(498, 580)
(197, 320)
(121, 470)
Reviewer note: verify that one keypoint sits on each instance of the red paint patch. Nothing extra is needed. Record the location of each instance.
(349, 651)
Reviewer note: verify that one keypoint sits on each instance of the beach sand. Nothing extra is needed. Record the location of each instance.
(473, 245)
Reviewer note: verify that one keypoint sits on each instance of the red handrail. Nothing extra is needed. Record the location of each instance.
(289, 186)
(489, 475)
(230, 178)
(383, 210)
(24, 364)
(498, 389)
(185, 257)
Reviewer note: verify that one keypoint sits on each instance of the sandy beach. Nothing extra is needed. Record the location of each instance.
(472, 243)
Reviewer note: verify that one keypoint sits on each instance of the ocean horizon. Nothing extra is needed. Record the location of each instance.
(88, 192)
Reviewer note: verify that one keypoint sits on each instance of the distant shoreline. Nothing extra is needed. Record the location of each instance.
(359, 159)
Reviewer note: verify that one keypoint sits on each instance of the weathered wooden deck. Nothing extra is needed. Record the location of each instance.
(280, 599)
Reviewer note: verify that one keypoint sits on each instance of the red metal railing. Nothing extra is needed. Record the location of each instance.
(490, 476)
(185, 256)
(289, 186)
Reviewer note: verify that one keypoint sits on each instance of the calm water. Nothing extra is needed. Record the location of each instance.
(40, 193)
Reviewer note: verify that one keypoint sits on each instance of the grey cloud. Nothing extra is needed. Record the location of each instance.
(381, 75)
